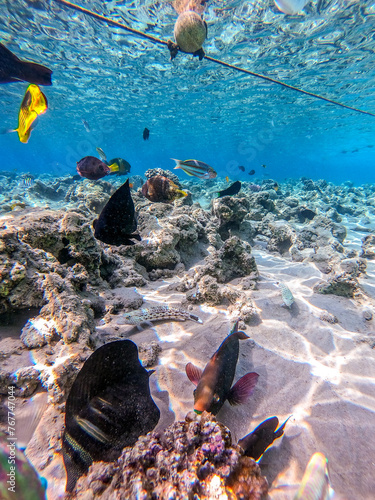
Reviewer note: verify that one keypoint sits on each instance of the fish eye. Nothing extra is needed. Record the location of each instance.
(216, 398)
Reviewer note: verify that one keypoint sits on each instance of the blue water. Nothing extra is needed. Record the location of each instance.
(120, 84)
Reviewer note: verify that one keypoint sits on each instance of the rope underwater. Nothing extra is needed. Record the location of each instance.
(209, 58)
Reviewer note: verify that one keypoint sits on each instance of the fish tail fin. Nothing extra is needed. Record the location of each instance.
(180, 193)
(8, 130)
(239, 333)
(29, 417)
(34, 73)
(178, 163)
(114, 167)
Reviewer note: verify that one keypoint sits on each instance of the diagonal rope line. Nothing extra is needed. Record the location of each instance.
(209, 58)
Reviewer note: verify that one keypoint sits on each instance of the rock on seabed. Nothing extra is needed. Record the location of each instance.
(193, 459)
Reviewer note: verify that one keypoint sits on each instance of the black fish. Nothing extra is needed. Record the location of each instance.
(146, 134)
(256, 443)
(12, 69)
(252, 172)
(123, 166)
(242, 168)
(109, 406)
(116, 223)
(214, 383)
(233, 189)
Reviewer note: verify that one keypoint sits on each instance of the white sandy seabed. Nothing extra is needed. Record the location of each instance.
(321, 374)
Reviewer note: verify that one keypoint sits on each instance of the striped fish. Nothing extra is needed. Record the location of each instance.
(315, 482)
(109, 406)
(196, 168)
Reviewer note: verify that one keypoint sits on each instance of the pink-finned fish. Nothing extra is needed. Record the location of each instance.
(196, 168)
(214, 384)
(315, 482)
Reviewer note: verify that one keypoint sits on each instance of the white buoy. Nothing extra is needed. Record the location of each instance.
(290, 6)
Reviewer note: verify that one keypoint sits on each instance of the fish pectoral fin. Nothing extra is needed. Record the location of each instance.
(194, 373)
(243, 388)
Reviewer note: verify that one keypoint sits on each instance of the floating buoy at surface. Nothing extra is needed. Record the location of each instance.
(290, 6)
(190, 32)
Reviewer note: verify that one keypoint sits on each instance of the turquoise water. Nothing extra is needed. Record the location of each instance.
(120, 84)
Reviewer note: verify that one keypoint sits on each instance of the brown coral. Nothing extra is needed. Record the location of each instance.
(190, 459)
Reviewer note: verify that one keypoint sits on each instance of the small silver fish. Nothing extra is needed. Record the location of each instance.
(102, 154)
(86, 125)
(287, 295)
(157, 313)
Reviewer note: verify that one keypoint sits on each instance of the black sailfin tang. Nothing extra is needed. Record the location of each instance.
(108, 408)
(117, 224)
(13, 69)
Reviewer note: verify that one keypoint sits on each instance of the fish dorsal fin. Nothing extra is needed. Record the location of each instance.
(7, 54)
(194, 373)
(243, 388)
(280, 431)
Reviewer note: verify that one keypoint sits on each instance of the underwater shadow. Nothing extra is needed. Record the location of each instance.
(276, 459)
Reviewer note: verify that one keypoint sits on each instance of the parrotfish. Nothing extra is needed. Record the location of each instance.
(116, 224)
(146, 134)
(196, 168)
(109, 406)
(12, 69)
(252, 172)
(94, 169)
(231, 190)
(157, 313)
(161, 189)
(214, 384)
(315, 482)
(256, 443)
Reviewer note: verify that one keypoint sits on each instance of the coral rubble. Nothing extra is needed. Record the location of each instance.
(190, 459)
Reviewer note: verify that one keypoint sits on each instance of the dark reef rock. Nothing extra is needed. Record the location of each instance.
(152, 172)
(342, 285)
(368, 247)
(232, 260)
(190, 459)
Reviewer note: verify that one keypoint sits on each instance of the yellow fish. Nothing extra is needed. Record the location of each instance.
(33, 104)
(227, 178)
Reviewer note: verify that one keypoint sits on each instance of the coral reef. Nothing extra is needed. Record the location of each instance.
(190, 459)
